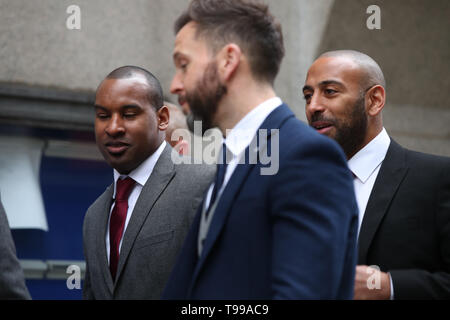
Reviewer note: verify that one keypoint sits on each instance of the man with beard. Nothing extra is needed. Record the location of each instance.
(133, 232)
(286, 234)
(403, 196)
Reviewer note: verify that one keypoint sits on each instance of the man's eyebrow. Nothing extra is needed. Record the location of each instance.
(323, 84)
(130, 106)
(126, 106)
(97, 106)
(176, 56)
(328, 82)
(306, 87)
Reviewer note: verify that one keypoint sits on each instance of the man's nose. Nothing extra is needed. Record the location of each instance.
(115, 126)
(176, 86)
(315, 105)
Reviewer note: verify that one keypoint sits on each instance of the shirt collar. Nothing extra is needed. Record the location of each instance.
(243, 132)
(366, 160)
(143, 171)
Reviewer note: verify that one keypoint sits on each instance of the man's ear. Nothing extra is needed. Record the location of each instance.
(163, 118)
(229, 58)
(376, 97)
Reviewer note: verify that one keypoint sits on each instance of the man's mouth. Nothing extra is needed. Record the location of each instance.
(181, 100)
(116, 148)
(322, 126)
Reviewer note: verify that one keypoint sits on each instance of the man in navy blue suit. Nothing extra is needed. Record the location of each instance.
(270, 227)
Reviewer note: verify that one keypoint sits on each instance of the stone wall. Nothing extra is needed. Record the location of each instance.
(412, 47)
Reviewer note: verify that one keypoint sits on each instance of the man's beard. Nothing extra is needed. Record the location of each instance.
(349, 134)
(204, 99)
(190, 121)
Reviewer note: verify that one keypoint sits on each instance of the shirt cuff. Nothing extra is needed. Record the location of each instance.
(392, 287)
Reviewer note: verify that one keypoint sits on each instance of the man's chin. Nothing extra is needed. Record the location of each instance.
(205, 125)
(190, 122)
(118, 163)
(122, 169)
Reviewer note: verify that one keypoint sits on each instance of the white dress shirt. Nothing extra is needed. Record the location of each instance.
(365, 165)
(239, 138)
(140, 175)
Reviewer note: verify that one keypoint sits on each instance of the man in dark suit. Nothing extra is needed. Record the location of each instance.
(134, 230)
(12, 281)
(278, 227)
(403, 196)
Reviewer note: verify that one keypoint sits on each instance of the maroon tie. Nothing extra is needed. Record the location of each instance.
(117, 221)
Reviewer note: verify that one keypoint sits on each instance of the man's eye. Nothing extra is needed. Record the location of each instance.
(183, 66)
(129, 115)
(102, 115)
(307, 96)
(330, 91)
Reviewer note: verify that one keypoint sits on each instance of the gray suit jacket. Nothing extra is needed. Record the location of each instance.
(12, 281)
(154, 235)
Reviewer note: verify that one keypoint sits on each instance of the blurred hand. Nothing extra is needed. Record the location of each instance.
(371, 284)
(182, 147)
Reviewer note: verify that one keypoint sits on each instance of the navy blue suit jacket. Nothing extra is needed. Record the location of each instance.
(291, 235)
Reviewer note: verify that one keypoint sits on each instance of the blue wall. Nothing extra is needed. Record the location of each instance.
(69, 187)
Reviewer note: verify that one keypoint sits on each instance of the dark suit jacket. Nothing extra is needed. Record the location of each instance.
(291, 235)
(154, 235)
(406, 226)
(12, 281)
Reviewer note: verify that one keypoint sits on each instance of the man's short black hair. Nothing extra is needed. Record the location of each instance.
(155, 93)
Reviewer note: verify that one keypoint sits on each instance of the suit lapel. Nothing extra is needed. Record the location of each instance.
(392, 172)
(233, 187)
(104, 209)
(162, 174)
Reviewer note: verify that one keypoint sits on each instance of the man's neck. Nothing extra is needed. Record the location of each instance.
(372, 133)
(239, 102)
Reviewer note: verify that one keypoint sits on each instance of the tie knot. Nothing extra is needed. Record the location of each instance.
(123, 188)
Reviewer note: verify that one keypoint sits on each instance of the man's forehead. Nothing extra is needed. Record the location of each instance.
(136, 80)
(188, 43)
(334, 68)
(135, 86)
(188, 32)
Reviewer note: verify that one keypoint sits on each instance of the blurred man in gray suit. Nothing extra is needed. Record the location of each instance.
(12, 282)
(177, 132)
(132, 233)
